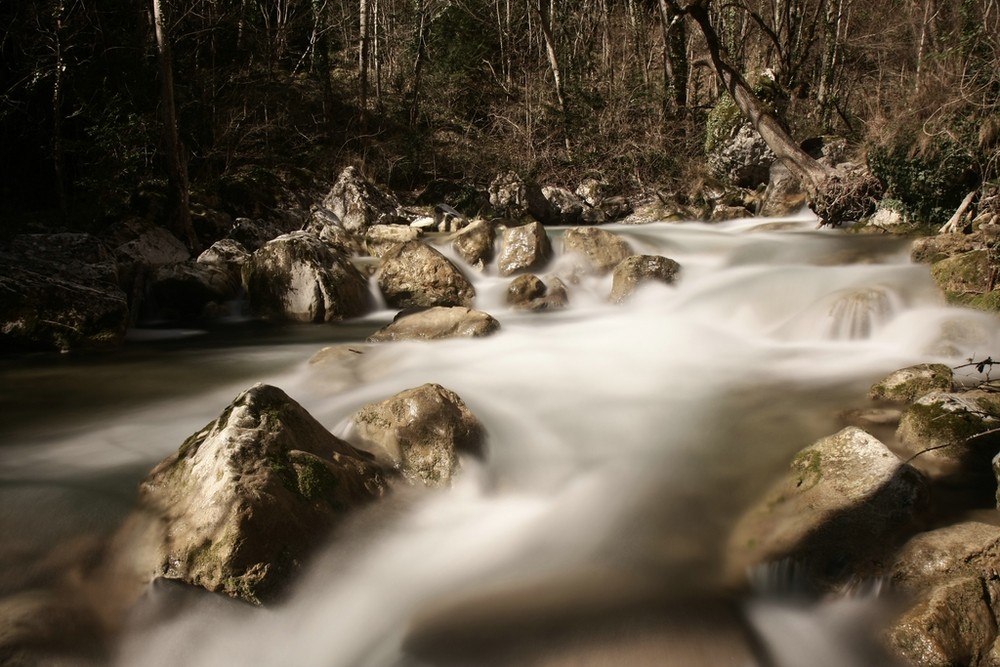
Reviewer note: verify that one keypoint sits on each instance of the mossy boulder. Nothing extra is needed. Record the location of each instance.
(947, 435)
(421, 431)
(843, 503)
(299, 278)
(415, 275)
(965, 280)
(436, 324)
(931, 249)
(909, 384)
(635, 270)
(245, 500)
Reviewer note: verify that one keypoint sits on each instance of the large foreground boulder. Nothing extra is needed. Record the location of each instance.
(437, 323)
(844, 502)
(297, 277)
(421, 431)
(60, 292)
(245, 500)
(414, 275)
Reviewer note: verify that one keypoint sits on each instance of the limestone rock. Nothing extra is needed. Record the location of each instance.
(637, 269)
(437, 323)
(931, 249)
(414, 275)
(324, 224)
(299, 278)
(523, 248)
(380, 238)
(422, 431)
(954, 625)
(475, 244)
(909, 384)
(600, 249)
(60, 292)
(515, 198)
(784, 194)
(528, 292)
(228, 254)
(742, 159)
(946, 433)
(844, 501)
(566, 207)
(967, 549)
(253, 234)
(245, 500)
(358, 203)
(593, 191)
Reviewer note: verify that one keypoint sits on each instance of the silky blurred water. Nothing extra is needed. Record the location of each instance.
(624, 440)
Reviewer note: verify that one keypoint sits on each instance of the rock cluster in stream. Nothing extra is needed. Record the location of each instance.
(849, 509)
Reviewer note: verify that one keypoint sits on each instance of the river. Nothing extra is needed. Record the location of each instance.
(623, 441)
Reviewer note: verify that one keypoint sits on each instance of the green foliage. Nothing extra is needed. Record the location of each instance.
(929, 186)
(724, 118)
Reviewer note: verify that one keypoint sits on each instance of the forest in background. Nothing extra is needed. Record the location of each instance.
(99, 108)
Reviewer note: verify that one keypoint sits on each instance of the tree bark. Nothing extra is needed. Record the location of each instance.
(364, 43)
(179, 189)
(811, 173)
(557, 78)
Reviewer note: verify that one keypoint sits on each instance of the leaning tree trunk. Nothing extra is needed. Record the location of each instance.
(179, 190)
(811, 173)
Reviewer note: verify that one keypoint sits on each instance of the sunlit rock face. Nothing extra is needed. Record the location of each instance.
(60, 291)
(843, 500)
(299, 278)
(437, 323)
(635, 270)
(245, 500)
(414, 275)
(475, 244)
(909, 384)
(523, 248)
(379, 239)
(422, 431)
(599, 250)
(358, 203)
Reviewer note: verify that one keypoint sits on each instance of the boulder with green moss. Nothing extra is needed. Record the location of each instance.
(245, 500)
(421, 431)
(948, 435)
(909, 384)
(965, 279)
(843, 503)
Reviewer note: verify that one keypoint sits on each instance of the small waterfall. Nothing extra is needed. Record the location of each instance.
(858, 313)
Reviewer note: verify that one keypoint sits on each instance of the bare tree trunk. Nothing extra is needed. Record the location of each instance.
(811, 173)
(675, 64)
(179, 189)
(418, 62)
(550, 50)
(364, 38)
(57, 117)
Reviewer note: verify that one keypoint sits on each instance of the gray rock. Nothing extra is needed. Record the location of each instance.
(297, 277)
(968, 549)
(637, 269)
(60, 292)
(358, 203)
(414, 275)
(253, 234)
(422, 431)
(475, 244)
(784, 194)
(380, 238)
(947, 435)
(593, 191)
(930, 249)
(844, 502)
(523, 248)
(324, 224)
(228, 254)
(244, 501)
(909, 384)
(600, 249)
(437, 323)
(722, 213)
(743, 159)
(566, 207)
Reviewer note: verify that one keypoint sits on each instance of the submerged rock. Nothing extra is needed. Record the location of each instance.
(637, 269)
(246, 499)
(60, 292)
(600, 249)
(523, 248)
(842, 504)
(299, 278)
(909, 384)
(437, 323)
(414, 275)
(421, 431)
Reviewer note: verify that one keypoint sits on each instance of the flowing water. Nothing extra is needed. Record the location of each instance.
(624, 440)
